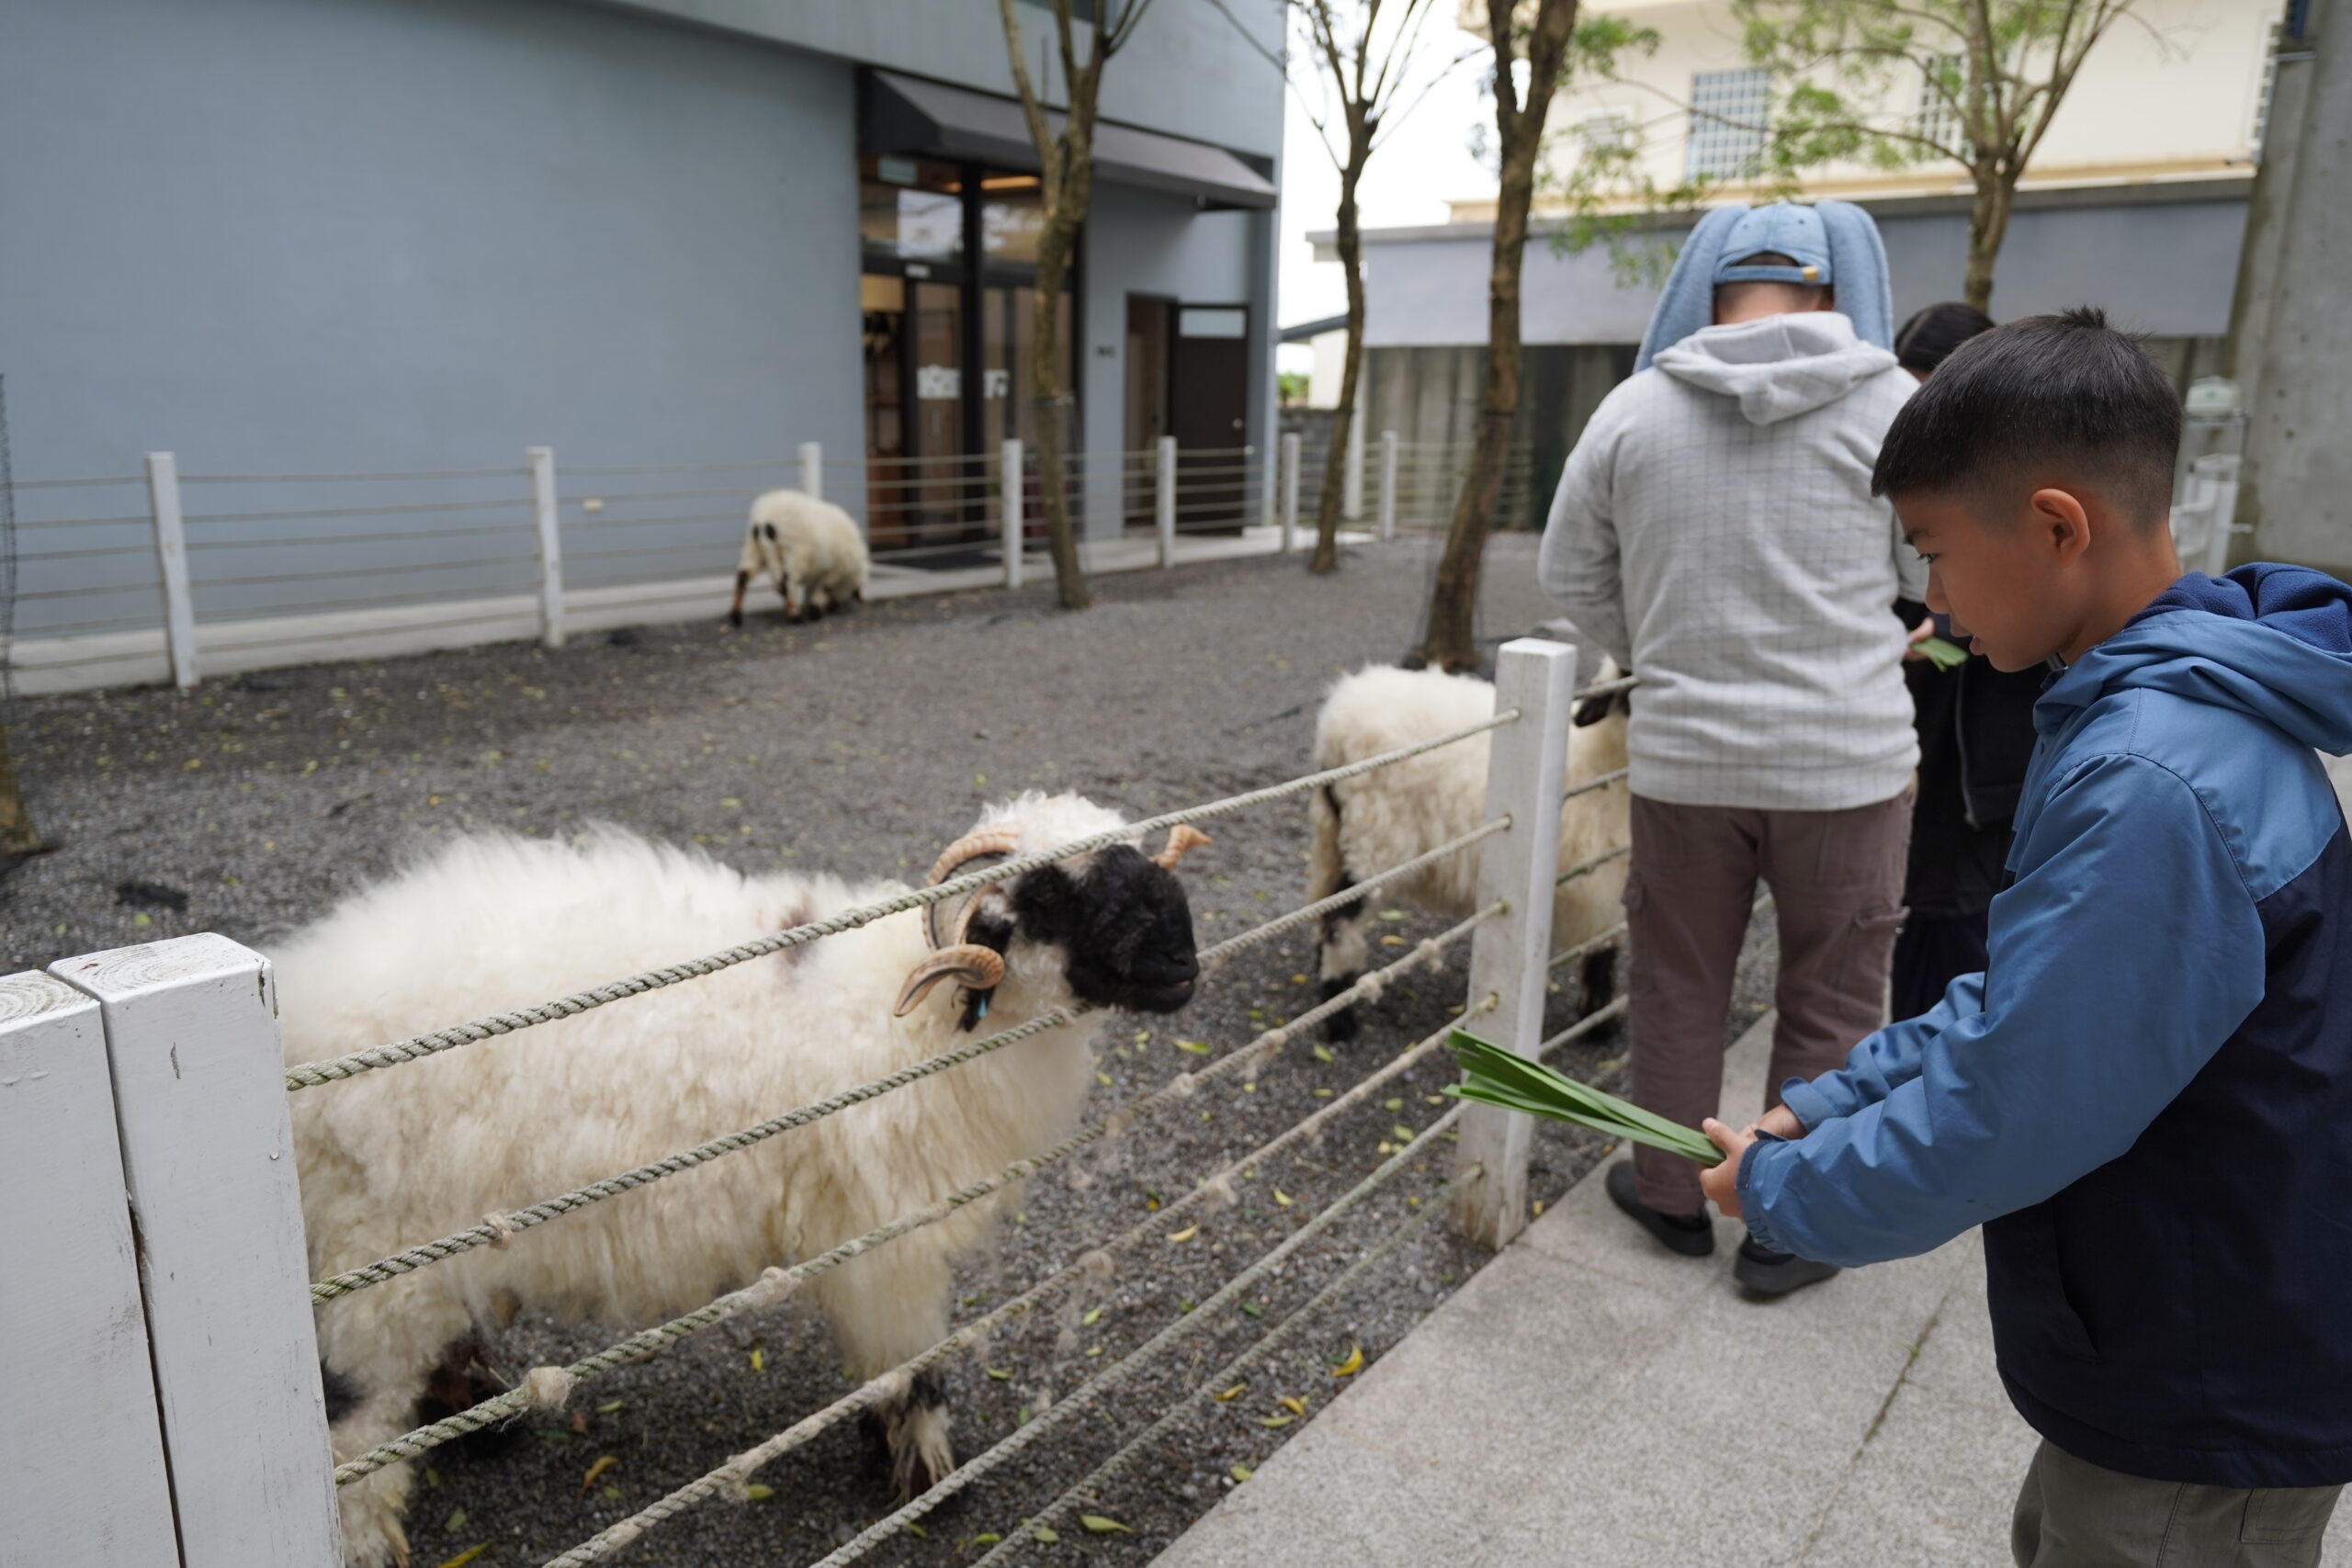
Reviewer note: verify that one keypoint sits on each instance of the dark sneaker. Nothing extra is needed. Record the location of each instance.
(1770, 1273)
(1694, 1235)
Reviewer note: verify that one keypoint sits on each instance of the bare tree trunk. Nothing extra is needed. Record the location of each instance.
(1988, 225)
(1450, 640)
(1350, 247)
(18, 836)
(1051, 401)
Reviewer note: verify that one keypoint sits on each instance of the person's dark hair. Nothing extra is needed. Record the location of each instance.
(1928, 339)
(2062, 388)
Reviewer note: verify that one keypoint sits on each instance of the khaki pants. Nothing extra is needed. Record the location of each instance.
(1836, 882)
(2072, 1514)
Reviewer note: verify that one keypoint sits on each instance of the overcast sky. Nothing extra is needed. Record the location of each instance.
(1424, 162)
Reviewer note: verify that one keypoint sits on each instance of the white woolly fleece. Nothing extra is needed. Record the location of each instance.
(1409, 808)
(492, 923)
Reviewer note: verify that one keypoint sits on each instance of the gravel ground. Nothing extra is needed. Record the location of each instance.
(859, 747)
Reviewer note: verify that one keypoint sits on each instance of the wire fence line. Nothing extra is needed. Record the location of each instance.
(492, 1231)
(1217, 1188)
(781, 1282)
(312, 1074)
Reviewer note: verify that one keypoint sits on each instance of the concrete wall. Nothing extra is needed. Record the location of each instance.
(2165, 268)
(1192, 69)
(389, 233)
(2293, 338)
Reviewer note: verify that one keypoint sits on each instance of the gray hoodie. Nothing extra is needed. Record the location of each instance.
(1714, 530)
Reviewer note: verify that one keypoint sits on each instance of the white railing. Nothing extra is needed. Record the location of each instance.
(167, 574)
(178, 1381)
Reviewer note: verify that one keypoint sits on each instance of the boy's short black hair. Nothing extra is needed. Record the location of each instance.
(2066, 387)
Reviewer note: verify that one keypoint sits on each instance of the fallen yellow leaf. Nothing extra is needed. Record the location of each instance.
(1291, 1403)
(1276, 1420)
(608, 1461)
(1322, 1053)
(1187, 1233)
(758, 1492)
(758, 1364)
(1392, 941)
(1092, 1314)
(1240, 1472)
(1538, 1206)
(468, 1555)
(1353, 1365)
(1197, 1048)
(1103, 1525)
(1282, 1197)
(1232, 1393)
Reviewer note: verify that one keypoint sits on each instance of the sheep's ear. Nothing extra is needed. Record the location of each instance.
(980, 968)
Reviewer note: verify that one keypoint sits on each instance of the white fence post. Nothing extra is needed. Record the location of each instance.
(1012, 506)
(1387, 485)
(1290, 491)
(171, 566)
(1510, 955)
(1267, 506)
(812, 469)
(1351, 482)
(1166, 498)
(543, 509)
(82, 1476)
(191, 1037)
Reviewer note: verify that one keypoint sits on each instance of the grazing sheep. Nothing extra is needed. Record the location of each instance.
(1365, 824)
(810, 550)
(492, 922)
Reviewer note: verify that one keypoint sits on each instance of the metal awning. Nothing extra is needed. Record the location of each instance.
(904, 114)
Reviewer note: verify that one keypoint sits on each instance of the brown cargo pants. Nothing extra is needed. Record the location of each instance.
(1836, 882)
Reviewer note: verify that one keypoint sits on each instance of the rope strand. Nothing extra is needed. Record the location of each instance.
(308, 1075)
(494, 1229)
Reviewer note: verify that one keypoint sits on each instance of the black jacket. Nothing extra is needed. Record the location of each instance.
(1975, 728)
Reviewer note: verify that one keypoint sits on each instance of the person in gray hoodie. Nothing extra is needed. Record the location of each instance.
(1714, 531)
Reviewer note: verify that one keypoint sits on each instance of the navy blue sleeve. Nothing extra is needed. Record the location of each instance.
(2120, 963)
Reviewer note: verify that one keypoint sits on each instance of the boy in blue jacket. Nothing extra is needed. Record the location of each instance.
(2146, 1098)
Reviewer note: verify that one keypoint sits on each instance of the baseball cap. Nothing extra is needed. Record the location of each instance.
(1795, 232)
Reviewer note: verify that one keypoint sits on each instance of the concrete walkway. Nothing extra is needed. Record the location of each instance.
(1589, 1399)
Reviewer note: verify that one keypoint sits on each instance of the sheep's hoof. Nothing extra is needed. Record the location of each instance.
(913, 1436)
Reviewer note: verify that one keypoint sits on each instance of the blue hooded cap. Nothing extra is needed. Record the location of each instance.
(1833, 242)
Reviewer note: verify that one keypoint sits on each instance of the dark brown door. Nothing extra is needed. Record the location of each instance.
(1208, 412)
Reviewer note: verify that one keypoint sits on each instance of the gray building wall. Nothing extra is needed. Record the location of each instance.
(380, 236)
(2163, 260)
(386, 233)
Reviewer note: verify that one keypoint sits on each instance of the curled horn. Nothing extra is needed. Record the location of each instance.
(978, 968)
(970, 847)
(1183, 839)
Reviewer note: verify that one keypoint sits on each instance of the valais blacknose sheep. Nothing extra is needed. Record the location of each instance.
(1367, 824)
(810, 550)
(490, 923)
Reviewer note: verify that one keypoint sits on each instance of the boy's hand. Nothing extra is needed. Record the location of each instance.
(1917, 634)
(1721, 1182)
(1781, 1122)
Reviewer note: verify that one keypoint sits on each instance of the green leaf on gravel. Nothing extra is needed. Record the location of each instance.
(1322, 1053)
(1240, 1472)
(758, 1492)
(1044, 1537)
(1000, 1374)
(610, 1406)
(987, 1538)
(1103, 1525)
(1276, 1420)
(1253, 1309)
(1093, 1315)
(1197, 1048)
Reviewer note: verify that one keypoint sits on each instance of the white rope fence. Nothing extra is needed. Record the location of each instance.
(310, 1075)
(497, 1228)
(550, 1385)
(1219, 1187)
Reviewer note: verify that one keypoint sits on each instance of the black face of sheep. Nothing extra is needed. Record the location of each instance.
(1123, 921)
